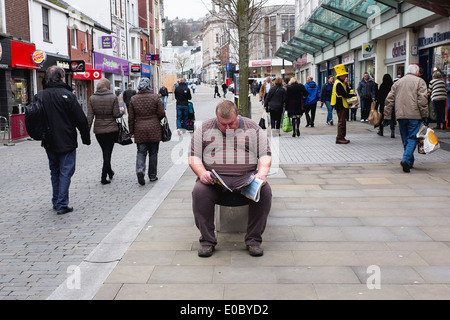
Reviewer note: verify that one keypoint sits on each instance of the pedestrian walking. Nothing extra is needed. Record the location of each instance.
(193, 87)
(438, 91)
(103, 106)
(64, 116)
(339, 98)
(216, 91)
(366, 91)
(127, 94)
(207, 193)
(274, 103)
(325, 98)
(164, 94)
(182, 95)
(295, 104)
(311, 101)
(381, 96)
(144, 121)
(264, 89)
(224, 88)
(409, 96)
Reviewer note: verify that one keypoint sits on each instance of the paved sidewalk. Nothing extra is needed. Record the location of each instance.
(328, 224)
(336, 211)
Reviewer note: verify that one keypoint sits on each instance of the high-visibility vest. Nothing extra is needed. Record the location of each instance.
(334, 95)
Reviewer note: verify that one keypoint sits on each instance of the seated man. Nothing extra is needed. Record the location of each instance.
(235, 148)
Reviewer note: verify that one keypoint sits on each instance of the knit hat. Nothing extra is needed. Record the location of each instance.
(144, 84)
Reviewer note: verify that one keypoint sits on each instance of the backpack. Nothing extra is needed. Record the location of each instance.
(35, 121)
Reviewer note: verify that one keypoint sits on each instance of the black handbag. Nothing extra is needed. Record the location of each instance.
(123, 137)
(166, 133)
(262, 123)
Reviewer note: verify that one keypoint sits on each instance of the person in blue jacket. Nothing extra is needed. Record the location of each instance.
(311, 101)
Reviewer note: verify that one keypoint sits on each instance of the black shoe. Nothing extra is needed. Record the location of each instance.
(298, 133)
(293, 134)
(111, 175)
(307, 125)
(255, 251)
(65, 210)
(141, 179)
(206, 251)
(406, 167)
(105, 181)
(153, 179)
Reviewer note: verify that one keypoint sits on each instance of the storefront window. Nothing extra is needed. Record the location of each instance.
(19, 89)
(441, 59)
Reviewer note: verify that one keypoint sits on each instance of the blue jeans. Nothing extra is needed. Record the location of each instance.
(62, 168)
(182, 115)
(330, 111)
(408, 131)
(150, 148)
(164, 101)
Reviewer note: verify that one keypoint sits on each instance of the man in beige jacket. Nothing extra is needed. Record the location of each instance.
(409, 96)
(265, 89)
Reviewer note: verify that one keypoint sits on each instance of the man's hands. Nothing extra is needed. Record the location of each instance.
(425, 122)
(206, 177)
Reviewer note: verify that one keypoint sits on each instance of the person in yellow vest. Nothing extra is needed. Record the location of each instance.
(339, 98)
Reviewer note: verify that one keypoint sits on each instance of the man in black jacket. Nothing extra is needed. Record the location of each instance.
(64, 115)
(182, 95)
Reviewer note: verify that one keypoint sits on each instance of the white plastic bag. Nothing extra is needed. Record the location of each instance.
(430, 142)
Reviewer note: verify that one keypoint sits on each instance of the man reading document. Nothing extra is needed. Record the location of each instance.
(238, 151)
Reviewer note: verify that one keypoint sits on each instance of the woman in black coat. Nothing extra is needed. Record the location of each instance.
(275, 103)
(295, 103)
(381, 95)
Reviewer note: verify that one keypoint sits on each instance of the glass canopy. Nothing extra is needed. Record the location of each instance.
(332, 20)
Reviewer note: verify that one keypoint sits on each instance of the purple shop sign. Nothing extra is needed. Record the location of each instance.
(110, 64)
(107, 42)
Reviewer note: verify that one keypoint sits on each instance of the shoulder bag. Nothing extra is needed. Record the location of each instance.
(124, 137)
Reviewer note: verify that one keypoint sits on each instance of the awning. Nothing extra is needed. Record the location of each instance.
(332, 20)
(437, 6)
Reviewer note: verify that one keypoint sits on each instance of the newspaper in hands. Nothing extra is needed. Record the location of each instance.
(250, 189)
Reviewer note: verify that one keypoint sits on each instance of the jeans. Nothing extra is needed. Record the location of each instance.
(62, 168)
(365, 108)
(106, 142)
(408, 131)
(439, 108)
(164, 101)
(152, 149)
(330, 111)
(182, 115)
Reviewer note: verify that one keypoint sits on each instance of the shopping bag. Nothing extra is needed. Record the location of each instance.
(287, 125)
(430, 142)
(123, 137)
(374, 115)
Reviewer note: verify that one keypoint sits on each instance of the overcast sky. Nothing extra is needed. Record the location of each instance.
(198, 8)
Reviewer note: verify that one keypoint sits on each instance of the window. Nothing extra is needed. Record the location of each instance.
(45, 25)
(74, 38)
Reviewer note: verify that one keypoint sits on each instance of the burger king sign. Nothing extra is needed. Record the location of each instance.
(39, 57)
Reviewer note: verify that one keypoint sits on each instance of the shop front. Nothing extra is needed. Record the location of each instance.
(51, 59)
(114, 69)
(396, 54)
(17, 79)
(434, 49)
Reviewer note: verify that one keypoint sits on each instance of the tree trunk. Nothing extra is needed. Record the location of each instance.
(243, 34)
